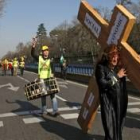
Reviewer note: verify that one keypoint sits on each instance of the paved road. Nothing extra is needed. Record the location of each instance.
(21, 119)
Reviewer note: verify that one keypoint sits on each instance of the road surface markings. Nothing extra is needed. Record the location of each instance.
(1, 123)
(134, 98)
(24, 79)
(133, 110)
(134, 103)
(62, 83)
(30, 72)
(70, 116)
(33, 120)
(64, 86)
(60, 98)
(13, 114)
(133, 118)
(75, 83)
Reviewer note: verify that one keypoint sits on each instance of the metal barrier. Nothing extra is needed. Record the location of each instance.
(71, 69)
(76, 69)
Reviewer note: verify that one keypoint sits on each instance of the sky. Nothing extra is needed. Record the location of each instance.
(20, 19)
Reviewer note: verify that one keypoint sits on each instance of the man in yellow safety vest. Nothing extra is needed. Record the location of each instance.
(44, 72)
(22, 65)
(15, 66)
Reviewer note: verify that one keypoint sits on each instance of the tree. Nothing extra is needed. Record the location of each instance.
(42, 36)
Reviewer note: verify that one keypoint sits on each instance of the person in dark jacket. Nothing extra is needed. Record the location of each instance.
(111, 80)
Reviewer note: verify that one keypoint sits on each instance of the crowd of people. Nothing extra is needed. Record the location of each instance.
(12, 66)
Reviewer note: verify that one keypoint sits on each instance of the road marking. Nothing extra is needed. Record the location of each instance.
(33, 120)
(31, 72)
(133, 110)
(134, 118)
(60, 98)
(11, 114)
(138, 99)
(1, 123)
(134, 103)
(63, 83)
(64, 86)
(70, 116)
(21, 113)
(75, 83)
(23, 79)
(10, 86)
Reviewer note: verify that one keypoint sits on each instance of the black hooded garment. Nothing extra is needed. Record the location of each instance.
(113, 101)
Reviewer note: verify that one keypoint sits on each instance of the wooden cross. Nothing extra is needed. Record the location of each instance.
(115, 32)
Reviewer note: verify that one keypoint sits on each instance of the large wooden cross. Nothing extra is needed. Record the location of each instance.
(115, 32)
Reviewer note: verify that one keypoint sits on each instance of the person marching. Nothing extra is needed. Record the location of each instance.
(44, 72)
(63, 66)
(111, 80)
(22, 65)
(10, 66)
(5, 66)
(15, 66)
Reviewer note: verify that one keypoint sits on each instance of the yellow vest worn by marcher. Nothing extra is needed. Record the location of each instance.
(22, 64)
(44, 68)
(15, 63)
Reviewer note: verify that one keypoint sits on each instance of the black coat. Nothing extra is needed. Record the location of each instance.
(113, 100)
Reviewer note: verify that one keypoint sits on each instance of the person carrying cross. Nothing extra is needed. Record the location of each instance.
(111, 80)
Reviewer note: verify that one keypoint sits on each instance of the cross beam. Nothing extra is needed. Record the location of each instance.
(115, 32)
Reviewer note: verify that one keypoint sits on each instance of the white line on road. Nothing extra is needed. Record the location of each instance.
(75, 83)
(12, 114)
(31, 72)
(65, 83)
(1, 123)
(70, 116)
(33, 120)
(134, 103)
(23, 79)
(134, 98)
(133, 118)
(133, 110)
(64, 86)
(60, 98)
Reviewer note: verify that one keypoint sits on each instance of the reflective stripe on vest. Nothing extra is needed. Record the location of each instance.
(22, 64)
(44, 68)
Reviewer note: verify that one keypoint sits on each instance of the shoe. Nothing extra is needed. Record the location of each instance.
(44, 110)
(55, 114)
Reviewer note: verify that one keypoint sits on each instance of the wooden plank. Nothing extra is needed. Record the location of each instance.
(89, 107)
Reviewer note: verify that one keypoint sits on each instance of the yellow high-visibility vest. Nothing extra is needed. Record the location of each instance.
(15, 63)
(44, 68)
(22, 64)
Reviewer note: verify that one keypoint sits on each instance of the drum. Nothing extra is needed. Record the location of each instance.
(39, 88)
